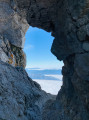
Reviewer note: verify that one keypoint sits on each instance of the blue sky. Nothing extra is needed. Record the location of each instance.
(37, 48)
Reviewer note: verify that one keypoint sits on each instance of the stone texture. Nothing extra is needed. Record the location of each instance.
(11, 54)
(12, 26)
(68, 21)
(83, 32)
(82, 66)
(72, 102)
(86, 46)
(20, 97)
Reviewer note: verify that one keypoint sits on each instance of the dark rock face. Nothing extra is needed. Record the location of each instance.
(20, 97)
(72, 100)
(68, 20)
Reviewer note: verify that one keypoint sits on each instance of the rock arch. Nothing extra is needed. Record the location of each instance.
(68, 20)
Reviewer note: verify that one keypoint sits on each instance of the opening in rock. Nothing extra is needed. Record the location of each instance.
(42, 66)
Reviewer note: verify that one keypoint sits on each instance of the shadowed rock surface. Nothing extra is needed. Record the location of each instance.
(68, 20)
(20, 97)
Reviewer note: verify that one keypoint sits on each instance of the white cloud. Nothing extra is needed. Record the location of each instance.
(50, 86)
(35, 68)
(56, 76)
(29, 67)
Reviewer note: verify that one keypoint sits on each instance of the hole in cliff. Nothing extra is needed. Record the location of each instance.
(42, 66)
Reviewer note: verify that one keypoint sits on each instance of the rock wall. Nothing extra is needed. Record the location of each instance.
(68, 20)
(20, 97)
(12, 34)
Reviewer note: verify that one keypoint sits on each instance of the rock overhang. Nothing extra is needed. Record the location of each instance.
(64, 22)
(59, 17)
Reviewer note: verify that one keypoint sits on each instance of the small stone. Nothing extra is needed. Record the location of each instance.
(83, 32)
(82, 21)
(81, 35)
(81, 65)
(86, 46)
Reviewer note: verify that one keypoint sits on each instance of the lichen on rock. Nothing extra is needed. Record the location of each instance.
(11, 54)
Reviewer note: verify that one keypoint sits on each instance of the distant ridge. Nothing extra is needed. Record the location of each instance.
(37, 73)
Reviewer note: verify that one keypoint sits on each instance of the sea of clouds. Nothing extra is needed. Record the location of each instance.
(50, 80)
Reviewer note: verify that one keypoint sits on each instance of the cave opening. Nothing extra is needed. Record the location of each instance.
(41, 65)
